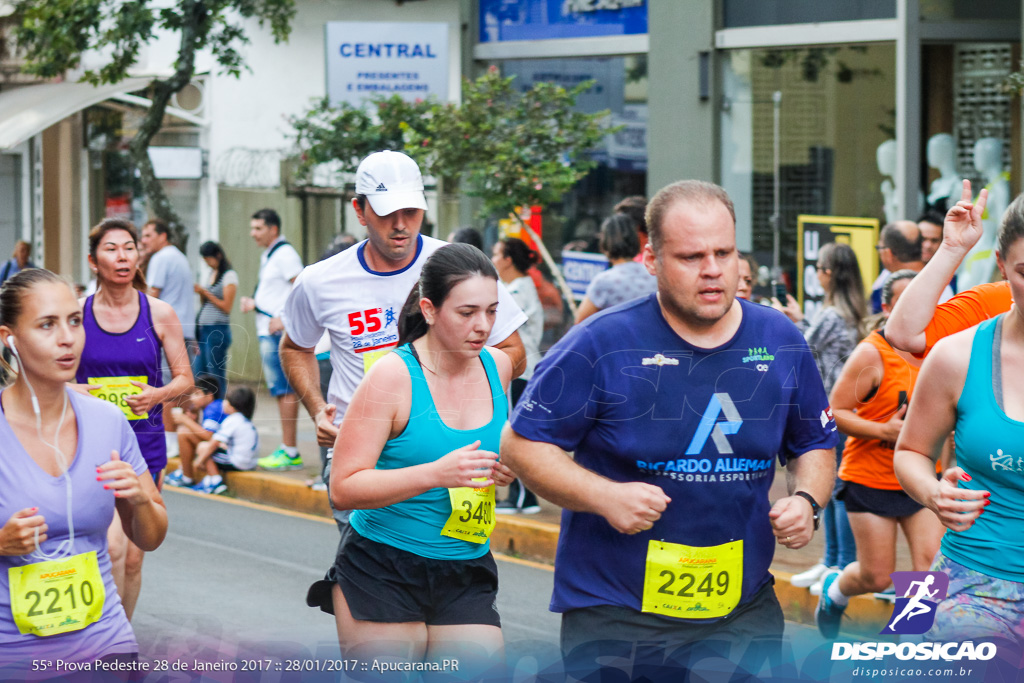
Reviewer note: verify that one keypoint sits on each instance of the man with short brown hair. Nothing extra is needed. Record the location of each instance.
(675, 406)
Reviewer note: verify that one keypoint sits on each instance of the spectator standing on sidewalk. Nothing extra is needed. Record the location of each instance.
(279, 266)
(357, 295)
(626, 279)
(170, 279)
(900, 248)
(832, 332)
(213, 324)
(635, 206)
(18, 262)
(748, 276)
(512, 259)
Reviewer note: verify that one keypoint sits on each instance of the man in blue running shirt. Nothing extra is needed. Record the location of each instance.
(676, 406)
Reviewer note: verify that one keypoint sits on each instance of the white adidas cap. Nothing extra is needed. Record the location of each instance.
(390, 181)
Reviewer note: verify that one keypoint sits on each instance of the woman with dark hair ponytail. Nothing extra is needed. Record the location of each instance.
(416, 460)
(213, 323)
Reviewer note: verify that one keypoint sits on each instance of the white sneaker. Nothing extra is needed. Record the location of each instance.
(809, 577)
(816, 587)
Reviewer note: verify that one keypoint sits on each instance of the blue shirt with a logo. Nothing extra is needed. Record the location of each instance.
(635, 402)
(213, 415)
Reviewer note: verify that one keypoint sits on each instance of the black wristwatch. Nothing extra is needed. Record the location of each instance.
(815, 508)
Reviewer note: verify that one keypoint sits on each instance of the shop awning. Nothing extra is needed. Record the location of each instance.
(31, 109)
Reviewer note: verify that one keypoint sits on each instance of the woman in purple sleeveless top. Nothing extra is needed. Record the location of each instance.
(68, 461)
(125, 330)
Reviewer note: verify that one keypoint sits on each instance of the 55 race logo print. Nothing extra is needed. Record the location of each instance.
(370, 320)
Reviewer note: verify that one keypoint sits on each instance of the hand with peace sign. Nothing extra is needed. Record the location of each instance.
(963, 228)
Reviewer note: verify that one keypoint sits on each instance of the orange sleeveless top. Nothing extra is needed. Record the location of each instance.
(869, 461)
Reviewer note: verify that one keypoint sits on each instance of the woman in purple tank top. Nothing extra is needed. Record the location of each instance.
(68, 461)
(125, 331)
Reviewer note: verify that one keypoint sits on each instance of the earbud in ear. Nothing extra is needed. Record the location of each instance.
(11, 346)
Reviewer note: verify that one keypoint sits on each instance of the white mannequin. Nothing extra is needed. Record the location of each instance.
(980, 262)
(940, 153)
(885, 157)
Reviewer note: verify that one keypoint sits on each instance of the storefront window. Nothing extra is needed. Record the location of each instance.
(620, 87)
(117, 187)
(967, 10)
(837, 108)
(737, 13)
(963, 101)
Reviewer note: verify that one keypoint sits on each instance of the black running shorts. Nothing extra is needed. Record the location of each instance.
(382, 583)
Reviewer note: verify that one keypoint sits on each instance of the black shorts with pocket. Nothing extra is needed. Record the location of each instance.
(385, 584)
(881, 502)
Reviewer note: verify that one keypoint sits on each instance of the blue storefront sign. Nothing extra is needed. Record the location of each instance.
(503, 20)
(579, 268)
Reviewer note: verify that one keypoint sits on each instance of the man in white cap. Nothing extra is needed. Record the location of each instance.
(357, 295)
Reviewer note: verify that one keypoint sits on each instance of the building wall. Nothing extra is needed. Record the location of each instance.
(251, 111)
(235, 207)
(62, 214)
(683, 128)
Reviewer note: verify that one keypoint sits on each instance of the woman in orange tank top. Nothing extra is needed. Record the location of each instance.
(869, 401)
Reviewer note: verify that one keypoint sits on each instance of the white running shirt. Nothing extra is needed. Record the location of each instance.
(359, 308)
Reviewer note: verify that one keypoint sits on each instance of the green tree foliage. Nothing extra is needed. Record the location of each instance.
(507, 146)
(53, 35)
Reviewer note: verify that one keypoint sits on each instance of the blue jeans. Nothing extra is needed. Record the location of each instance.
(214, 342)
(273, 373)
(840, 546)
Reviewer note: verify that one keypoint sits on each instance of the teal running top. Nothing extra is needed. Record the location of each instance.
(990, 448)
(414, 525)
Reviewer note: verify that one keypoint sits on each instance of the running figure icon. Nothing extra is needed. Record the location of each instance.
(914, 606)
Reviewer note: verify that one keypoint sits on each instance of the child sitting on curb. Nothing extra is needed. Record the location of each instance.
(235, 446)
(192, 430)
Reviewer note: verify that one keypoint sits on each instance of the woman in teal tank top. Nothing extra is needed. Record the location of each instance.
(967, 383)
(416, 459)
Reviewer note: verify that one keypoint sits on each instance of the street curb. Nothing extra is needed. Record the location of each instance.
(864, 616)
(527, 538)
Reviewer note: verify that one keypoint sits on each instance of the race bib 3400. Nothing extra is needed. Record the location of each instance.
(472, 517)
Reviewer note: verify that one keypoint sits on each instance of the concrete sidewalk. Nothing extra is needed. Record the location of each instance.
(530, 536)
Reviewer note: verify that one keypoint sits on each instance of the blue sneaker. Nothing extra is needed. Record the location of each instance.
(178, 478)
(212, 488)
(828, 614)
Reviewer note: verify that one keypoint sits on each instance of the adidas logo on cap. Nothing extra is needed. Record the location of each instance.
(381, 188)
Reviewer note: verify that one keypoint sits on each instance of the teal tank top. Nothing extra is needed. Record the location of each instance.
(990, 448)
(414, 525)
